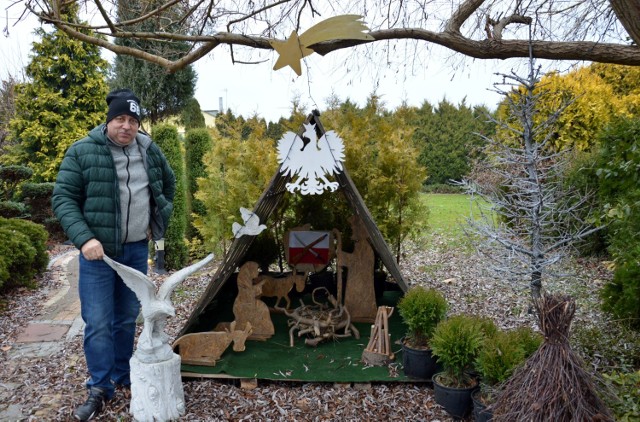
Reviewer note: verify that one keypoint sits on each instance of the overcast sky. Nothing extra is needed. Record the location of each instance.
(257, 89)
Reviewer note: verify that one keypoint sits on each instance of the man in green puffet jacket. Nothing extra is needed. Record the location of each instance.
(113, 193)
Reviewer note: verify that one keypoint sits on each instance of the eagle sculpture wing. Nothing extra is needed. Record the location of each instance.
(138, 282)
(179, 276)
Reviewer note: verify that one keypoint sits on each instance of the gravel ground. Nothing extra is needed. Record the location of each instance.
(50, 388)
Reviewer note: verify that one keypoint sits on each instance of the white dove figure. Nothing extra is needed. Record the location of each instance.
(251, 225)
(310, 159)
(156, 307)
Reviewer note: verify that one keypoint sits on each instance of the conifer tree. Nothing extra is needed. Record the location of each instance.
(161, 94)
(382, 160)
(448, 139)
(237, 172)
(197, 143)
(191, 116)
(176, 253)
(64, 99)
(7, 109)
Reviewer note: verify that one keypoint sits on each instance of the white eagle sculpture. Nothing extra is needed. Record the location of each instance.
(310, 160)
(153, 343)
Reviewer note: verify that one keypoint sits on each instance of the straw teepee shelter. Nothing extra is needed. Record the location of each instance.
(266, 205)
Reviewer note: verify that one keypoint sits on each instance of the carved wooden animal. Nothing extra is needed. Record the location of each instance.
(281, 286)
(206, 348)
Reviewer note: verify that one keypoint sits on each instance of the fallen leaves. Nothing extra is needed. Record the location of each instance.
(50, 388)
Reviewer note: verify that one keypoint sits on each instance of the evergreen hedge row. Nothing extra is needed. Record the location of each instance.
(176, 251)
(197, 143)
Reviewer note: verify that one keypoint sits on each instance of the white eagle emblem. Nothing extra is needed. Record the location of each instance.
(310, 159)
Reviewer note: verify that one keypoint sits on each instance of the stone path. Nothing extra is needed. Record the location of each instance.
(43, 337)
(61, 319)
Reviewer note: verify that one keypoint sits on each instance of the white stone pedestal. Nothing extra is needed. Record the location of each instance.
(156, 390)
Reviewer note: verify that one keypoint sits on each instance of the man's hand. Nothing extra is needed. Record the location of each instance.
(92, 250)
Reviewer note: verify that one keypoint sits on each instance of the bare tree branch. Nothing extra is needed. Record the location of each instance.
(482, 29)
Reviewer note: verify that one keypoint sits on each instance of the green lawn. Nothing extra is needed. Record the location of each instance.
(447, 212)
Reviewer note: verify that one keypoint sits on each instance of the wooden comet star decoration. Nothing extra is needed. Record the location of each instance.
(343, 27)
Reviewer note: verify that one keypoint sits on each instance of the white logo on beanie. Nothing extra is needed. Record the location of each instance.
(134, 107)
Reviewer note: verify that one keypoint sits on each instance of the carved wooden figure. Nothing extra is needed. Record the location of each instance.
(359, 295)
(281, 286)
(247, 308)
(205, 348)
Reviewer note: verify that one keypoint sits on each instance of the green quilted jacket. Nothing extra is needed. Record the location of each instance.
(85, 197)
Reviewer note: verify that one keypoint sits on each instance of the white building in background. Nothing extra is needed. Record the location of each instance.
(210, 117)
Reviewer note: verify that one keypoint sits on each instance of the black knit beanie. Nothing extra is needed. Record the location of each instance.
(123, 101)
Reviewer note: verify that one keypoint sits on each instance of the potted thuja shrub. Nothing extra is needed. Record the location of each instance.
(455, 343)
(421, 310)
(498, 357)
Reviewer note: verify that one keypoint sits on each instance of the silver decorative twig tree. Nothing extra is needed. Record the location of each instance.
(533, 216)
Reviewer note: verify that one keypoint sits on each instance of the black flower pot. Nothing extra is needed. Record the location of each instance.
(456, 401)
(480, 412)
(419, 363)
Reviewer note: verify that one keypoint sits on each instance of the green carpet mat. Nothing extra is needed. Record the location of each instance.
(332, 361)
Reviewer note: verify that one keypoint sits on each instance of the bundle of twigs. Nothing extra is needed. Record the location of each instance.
(552, 385)
(319, 321)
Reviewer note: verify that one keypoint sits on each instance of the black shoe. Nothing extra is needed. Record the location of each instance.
(92, 406)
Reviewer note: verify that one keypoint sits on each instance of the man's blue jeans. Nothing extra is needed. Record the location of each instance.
(110, 309)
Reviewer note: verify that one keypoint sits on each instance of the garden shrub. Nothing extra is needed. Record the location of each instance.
(11, 177)
(616, 346)
(23, 252)
(486, 326)
(421, 310)
(37, 198)
(626, 391)
(528, 339)
(581, 176)
(618, 173)
(499, 355)
(12, 209)
(503, 352)
(176, 253)
(621, 296)
(456, 342)
(197, 142)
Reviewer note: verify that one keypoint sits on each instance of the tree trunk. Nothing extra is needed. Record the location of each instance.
(628, 12)
(536, 284)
